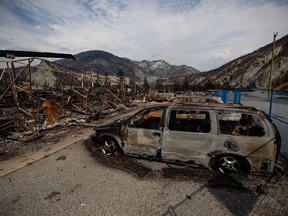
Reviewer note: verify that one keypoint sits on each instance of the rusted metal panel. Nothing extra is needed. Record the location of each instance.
(50, 109)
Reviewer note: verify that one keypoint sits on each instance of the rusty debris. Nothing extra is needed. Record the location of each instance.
(51, 112)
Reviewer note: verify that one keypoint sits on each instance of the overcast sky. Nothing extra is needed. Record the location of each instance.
(200, 33)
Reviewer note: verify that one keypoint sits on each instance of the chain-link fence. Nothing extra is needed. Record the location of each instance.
(274, 103)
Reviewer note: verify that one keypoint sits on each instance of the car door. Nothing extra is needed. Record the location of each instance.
(246, 134)
(142, 134)
(188, 136)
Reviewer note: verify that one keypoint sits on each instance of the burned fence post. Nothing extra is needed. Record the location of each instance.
(31, 94)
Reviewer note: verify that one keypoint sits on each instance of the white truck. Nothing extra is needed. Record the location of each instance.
(161, 95)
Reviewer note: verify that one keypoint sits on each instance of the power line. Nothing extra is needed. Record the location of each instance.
(240, 42)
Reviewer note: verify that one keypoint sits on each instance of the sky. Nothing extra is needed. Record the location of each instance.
(204, 34)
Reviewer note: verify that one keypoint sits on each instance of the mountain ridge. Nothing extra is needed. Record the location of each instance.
(105, 63)
(250, 71)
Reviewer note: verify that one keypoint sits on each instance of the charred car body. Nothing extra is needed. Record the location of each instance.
(228, 138)
(196, 99)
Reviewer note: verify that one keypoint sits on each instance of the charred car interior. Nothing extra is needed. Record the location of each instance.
(230, 139)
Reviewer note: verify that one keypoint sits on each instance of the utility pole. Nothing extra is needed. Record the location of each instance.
(272, 62)
(134, 77)
(82, 80)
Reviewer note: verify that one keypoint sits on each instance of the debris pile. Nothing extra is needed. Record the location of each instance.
(28, 110)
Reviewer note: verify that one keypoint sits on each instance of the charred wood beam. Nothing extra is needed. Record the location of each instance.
(113, 111)
(12, 83)
(116, 97)
(16, 53)
(89, 109)
(78, 108)
(104, 101)
(21, 89)
(31, 94)
(78, 111)
(7, 124)
(3, 130)
(3, 71)
(100, 113)
(33, 137)
(24, 111)
(80, 94)
(12, 78)
(95, 116)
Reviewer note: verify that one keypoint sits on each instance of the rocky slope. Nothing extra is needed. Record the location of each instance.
(250, 71)
(105, 63)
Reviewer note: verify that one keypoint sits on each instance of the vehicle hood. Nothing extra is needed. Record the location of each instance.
(107, 126)
(116, 124)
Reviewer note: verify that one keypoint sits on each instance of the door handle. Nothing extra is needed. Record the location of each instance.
(156, 134)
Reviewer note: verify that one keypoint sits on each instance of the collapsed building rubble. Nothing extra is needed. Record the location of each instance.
(28, 110)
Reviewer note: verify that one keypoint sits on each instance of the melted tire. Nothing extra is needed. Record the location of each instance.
(119, 161)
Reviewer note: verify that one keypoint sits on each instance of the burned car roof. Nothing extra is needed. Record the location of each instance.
(210, 106)
(196, 99)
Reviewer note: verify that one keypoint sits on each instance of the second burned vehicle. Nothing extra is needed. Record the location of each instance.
(231, 139)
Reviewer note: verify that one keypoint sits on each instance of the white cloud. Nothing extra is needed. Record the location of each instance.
(223, 56)
(204, 34)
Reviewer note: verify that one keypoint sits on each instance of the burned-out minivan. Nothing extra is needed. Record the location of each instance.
(228, 138)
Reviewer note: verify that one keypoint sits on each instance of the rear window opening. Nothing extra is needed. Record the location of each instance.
(241, 124)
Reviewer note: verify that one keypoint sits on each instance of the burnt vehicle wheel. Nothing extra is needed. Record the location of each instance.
(229, 165)
(109, 146)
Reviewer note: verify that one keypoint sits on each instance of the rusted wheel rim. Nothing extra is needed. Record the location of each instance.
(228, 165)
(109, 147)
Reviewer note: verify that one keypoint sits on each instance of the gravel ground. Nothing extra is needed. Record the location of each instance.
(74, 181)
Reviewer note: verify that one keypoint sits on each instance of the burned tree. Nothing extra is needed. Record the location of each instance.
(159, 84)
(121, 84)
(145, 86)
